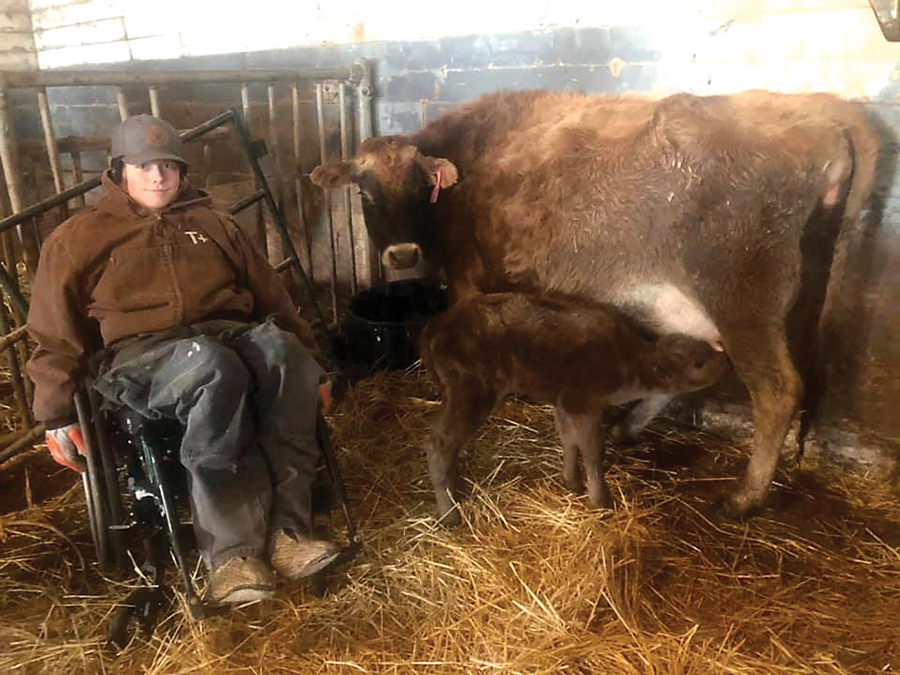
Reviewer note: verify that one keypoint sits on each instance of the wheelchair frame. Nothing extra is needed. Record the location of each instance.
(147, 463)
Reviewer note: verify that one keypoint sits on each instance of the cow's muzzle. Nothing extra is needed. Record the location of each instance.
(401, 256)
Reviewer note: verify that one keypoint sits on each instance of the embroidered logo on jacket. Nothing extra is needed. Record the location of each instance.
(196, 237)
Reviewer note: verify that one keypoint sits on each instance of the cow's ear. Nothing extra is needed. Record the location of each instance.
(332, 174)
(435, 166)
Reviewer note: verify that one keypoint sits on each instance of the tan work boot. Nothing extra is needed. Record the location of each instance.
(295, 556)
(241, 579)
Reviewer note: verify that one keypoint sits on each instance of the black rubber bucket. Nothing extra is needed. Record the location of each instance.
(382, 328)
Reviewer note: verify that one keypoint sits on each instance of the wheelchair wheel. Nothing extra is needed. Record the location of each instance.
(95, 512)
(103, 499)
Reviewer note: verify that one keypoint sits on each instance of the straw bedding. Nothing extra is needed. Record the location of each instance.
(533, 582)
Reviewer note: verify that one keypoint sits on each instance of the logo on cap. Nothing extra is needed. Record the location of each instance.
(156, 136)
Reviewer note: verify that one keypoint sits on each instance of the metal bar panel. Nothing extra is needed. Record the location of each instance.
(17, 301)
(122, 102)
(260, 234)
(298, 182)
(15, 295)
(246, 201)
(78, 176)
(52, 149)
(30, 437)
(13, 337)
(71, 78)
(15, 371)
(345, 155)
(329, 226)
(154, 101)
(206, 166)
(319, 320)
(364, 94)
(274, 149)
(10, 159)
(245, 104)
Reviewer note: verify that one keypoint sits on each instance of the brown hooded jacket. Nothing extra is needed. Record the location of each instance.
(119, 270)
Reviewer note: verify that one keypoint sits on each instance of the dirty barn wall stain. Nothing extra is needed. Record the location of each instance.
(428, 63)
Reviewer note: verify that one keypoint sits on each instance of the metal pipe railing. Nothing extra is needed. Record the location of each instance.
(326, 211)
(260, 233)
(298, 183)
(154, 101)
(345, 155)
(275, 146)
(365, 99)
(71, 78)
(9, 158)
(52, 148)
(122, 102)
(15, 370)
(319, 323)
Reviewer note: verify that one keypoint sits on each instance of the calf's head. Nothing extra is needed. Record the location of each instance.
(396, 183)
(682, 364)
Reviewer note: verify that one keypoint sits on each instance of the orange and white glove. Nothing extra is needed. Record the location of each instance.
(66, 445)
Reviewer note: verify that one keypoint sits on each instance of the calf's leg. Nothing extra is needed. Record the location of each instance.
(763, 362)
(640, 416)
(584, 435)
(465, 408)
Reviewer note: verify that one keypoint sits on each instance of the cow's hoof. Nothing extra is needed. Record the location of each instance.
(602, 499)
(575, 486)
(621, 435)
(451, 519)
(728, 508)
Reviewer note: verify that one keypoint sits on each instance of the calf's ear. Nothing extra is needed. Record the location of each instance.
(332, 174)
(438, 166)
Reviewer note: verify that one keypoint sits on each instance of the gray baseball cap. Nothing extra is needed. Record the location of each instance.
(144, 138)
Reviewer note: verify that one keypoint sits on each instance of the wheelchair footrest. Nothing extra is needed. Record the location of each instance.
(142, 606)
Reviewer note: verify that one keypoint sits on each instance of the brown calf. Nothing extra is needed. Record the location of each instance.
(579, 358)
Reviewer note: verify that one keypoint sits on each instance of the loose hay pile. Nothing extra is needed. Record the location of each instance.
(534, 582)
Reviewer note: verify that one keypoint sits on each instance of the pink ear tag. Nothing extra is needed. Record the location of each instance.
(437, 188)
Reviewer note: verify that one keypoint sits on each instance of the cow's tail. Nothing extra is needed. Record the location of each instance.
(864, 146)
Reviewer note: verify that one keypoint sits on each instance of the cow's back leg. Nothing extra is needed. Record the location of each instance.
(763, 362)
(639, 417)
(584, 435)
(466, 406)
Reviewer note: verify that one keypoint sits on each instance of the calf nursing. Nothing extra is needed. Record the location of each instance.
(577, 357)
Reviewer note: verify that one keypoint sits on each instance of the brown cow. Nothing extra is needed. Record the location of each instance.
(578, 358)
(709, 216)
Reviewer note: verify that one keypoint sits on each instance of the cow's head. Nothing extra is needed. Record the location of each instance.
(396, 183)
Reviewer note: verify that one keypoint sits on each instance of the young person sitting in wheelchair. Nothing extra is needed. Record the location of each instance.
(195, 325)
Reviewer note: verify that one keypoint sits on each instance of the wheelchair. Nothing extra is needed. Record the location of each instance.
(136, 489)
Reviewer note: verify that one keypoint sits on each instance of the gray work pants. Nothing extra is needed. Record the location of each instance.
(247, 398)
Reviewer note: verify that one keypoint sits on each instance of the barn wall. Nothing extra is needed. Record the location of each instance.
(430, 57)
